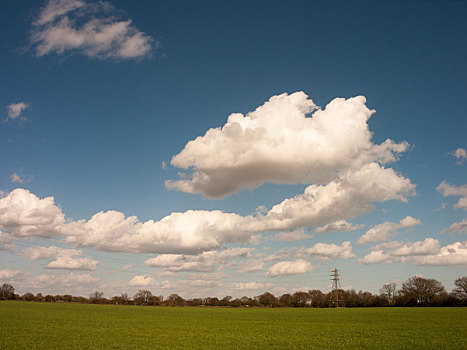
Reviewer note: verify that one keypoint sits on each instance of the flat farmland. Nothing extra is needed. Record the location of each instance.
(28, 325)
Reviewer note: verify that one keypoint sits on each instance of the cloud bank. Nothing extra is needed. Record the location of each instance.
(426, 252)
(277, 142)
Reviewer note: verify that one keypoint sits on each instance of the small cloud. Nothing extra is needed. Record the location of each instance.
(14, 111)
(460, 154)
(339, 226)
(164, 165)
(20, 179)
(16, 178)
(142, 281)
(127, 267)
(441, 207)
(289, 268)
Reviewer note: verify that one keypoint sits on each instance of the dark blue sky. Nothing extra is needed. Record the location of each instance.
(99, 129)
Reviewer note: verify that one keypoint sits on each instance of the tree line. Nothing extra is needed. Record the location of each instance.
(416, 291)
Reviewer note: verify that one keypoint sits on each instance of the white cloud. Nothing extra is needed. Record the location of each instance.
(250, 286)
(460, 154)
(190, 286)
(451, 255)
(347, 197)
(40, 252)
(57, 8)
(386, 230)
(251, 266)
(429, 246)
(321, 251)
(449, 190)
(204, 262)
(460, 227)
(15, 110)
(338, 226)
(91, 28)
(142, 281)
(289, 268)
(375, 257)
(278, 143)
(69, 263)
(9, 274)
(189, 232)
(328, 251)
(67, 259)
(23, 214)
(426, 252)
(292, 236)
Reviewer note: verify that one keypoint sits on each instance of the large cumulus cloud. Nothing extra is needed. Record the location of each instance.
(280, 143)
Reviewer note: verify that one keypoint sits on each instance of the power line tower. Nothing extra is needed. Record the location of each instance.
(336, 298)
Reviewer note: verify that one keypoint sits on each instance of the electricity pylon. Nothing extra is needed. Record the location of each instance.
(336, 298)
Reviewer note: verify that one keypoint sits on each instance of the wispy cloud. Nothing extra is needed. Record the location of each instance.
(14, 112)
(91, 28)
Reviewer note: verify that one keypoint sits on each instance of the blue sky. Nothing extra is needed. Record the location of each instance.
(99, 103)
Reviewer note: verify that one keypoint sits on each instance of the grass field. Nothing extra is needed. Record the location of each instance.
(72, 326)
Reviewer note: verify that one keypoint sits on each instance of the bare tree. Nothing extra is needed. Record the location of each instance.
(422, 290)
(7, 292)
(96, 297)
(461, 288)
(388, 292)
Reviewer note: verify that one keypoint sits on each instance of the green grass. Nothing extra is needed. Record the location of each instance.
(71, 326)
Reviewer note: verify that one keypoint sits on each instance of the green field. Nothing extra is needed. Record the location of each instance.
(72, 326)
